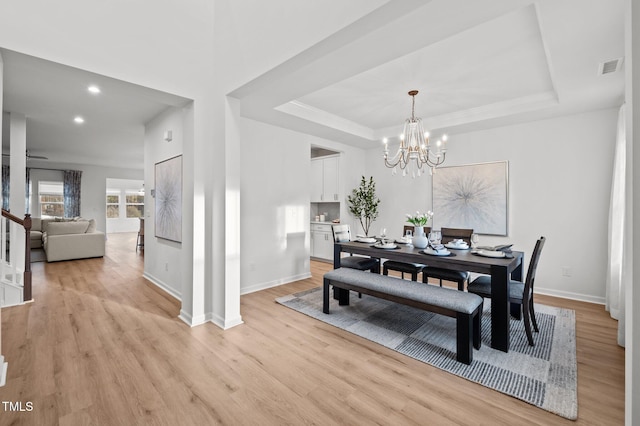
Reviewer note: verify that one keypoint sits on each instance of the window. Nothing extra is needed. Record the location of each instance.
(113, 204)
(51, 199)
(135, 204)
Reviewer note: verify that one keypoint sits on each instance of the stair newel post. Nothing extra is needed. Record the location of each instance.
(27, 258)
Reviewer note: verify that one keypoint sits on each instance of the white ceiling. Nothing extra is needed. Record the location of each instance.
(50, 95)
(476, 63)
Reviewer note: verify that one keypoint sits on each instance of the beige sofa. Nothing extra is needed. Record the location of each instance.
(66, 239)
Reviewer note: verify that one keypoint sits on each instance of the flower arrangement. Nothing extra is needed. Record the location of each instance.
(419, 219)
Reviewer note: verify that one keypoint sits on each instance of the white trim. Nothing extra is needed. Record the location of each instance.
(163, 286)
(3, 371)
(191, 321)
(569, 295)
(274, 283)
(222, 323)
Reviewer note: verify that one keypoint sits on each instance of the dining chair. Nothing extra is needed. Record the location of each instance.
(341, 234)
(459, 277)
(519, 292)
(403, 267)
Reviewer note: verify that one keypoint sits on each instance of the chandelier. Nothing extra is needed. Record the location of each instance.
(415, 154)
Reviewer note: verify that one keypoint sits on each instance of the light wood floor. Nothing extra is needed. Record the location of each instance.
(101, 346)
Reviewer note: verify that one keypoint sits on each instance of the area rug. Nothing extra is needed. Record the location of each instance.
(38, 255)
(544, 375)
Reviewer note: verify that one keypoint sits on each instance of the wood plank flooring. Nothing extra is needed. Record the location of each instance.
(102, 346)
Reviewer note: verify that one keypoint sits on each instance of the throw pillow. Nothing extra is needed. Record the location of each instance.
(92, 226)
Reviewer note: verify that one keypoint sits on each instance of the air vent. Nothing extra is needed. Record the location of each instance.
(608, 67)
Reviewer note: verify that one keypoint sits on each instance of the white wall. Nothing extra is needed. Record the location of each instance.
(559, 184)
(275, 201)
(162, 258)
(93, 189)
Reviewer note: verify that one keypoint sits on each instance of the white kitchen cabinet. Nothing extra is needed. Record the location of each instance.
(325, 181)
(321, 241)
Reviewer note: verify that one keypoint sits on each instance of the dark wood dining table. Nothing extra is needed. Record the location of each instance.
(500, 270)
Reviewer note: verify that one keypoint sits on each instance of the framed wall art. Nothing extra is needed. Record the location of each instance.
(473, 196)
(168, 197)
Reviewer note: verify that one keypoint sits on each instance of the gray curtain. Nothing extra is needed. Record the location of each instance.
(71, 192)
(5, 187)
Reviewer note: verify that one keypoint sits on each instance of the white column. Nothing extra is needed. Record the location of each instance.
(233, 166)
(632, 292)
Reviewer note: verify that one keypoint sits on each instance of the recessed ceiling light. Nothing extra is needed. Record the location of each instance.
(93, 89)
(79, 120)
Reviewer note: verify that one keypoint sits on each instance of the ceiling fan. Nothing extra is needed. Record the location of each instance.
(29, 156)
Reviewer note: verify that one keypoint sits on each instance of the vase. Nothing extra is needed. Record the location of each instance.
(419, 238)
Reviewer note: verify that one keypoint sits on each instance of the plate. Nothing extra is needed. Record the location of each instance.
(402, 241)
(457, 247)
(490, 253)
(432, 252)
(366, 240)
(388, 246)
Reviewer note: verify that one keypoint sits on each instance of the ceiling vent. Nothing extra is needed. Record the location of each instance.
(608, 67)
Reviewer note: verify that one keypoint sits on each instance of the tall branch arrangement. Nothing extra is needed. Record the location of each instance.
(363, 203)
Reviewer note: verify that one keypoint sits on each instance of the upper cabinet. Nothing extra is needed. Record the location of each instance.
(325, 180)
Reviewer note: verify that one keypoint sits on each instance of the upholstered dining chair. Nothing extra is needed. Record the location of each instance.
(409, 268)
(459, 277)
(341, 234)
(519, 292)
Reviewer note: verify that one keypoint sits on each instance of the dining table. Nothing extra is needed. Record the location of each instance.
(501, 269)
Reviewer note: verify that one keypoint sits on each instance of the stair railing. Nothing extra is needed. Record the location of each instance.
(9, 257)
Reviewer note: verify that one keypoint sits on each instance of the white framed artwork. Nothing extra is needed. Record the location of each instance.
(168, 199)
(473, 196)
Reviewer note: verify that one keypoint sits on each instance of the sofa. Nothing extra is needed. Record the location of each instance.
(67, 239)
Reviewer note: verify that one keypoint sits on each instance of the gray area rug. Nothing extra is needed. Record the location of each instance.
(544, 375)
(38, 255)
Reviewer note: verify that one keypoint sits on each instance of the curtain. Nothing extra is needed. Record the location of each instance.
(71, 192)
(619, 243)
(5, 187)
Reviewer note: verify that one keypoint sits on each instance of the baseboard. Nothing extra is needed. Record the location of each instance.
(192, 321)
(274, 283)
(222, 323)
(3, 371)
(569, 295)
(163, 286)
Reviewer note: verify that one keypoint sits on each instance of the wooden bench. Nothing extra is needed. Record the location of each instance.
(466, 308)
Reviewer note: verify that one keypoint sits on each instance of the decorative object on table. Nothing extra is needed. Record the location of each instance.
(363, 203)
(419, 220)
(544, 375)
(473, 196)
(168, 203)
(475, 239)
(415, 151)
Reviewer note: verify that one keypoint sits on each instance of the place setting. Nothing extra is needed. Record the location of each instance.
(435, 247)
(384, 243)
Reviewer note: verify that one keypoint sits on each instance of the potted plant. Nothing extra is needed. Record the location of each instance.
(363, 203)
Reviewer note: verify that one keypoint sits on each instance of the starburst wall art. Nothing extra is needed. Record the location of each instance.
(168, 193)
(472, 196)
